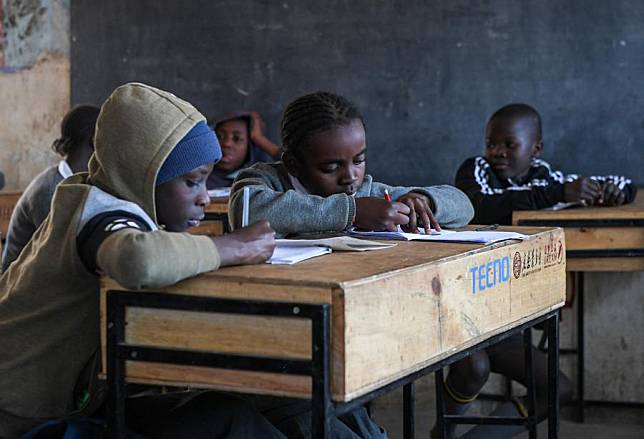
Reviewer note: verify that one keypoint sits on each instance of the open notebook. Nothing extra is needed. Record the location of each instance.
(292, 251)
(285, 254)
(477, 237)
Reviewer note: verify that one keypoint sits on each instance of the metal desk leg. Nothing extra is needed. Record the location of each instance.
(530, 383)
(440, 405)
(321, 397)
(580, 345)
(553, 376)
(116, 369)
(409, 399)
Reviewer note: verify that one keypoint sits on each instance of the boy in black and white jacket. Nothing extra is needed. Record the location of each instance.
(511, 176)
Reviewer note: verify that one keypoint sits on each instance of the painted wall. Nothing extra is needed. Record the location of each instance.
(34, 85)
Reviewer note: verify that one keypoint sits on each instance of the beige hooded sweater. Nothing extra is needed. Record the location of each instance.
(49, 300)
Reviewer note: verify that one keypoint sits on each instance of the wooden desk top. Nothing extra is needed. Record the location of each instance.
(634, 210)
(393, 311)
(597, 238)
(349, 268)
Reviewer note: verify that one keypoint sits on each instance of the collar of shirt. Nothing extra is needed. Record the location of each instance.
(64, 170)
(297, 185)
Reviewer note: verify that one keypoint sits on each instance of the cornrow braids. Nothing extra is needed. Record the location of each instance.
(314, 113)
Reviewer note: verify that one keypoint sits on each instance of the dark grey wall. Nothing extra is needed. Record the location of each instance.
(426, 74)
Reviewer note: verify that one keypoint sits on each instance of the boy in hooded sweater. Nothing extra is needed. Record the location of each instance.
(124, 219)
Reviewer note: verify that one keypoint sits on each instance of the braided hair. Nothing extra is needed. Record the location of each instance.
(76, 128)
(314, 113)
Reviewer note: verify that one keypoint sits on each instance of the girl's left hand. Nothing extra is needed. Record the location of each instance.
(420, 213)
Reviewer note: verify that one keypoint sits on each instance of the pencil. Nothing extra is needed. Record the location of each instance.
(246, 207)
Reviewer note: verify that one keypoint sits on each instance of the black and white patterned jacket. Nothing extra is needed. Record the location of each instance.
(494, 198)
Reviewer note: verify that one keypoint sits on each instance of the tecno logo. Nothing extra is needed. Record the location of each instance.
(490, 274)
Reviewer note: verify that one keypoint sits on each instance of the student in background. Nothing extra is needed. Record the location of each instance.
(511, 176)
(75, 146)
(322, 186)
(126, 219)
(243, 143)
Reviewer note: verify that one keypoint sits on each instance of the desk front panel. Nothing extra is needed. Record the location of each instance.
(394, 311)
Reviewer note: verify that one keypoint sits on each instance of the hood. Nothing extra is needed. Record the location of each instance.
(136, 130)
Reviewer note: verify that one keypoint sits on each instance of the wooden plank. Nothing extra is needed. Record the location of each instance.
(223, 333)
(604, 238)
(218, 379)
(605, 264)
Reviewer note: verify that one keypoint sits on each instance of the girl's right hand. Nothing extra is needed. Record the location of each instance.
(251, 245)
(378, 214)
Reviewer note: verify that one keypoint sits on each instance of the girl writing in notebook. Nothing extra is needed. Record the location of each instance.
(321, 184)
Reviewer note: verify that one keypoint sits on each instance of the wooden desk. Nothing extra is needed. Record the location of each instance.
(392, 313)
(597, 239)
(8, 201)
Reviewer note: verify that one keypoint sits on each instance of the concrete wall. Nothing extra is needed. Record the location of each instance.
(34, 85)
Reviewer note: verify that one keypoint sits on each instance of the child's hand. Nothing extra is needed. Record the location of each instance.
(257, 127)
(420, 213)
(251, 245)
(611, 195)
(378, 214)
(582, 190)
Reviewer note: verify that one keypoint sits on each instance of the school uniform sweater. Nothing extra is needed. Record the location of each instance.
(104, 222)
(273, 196)
(495, 199)
(31, 210)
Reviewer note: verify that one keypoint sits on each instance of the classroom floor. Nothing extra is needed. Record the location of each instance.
(609, 423)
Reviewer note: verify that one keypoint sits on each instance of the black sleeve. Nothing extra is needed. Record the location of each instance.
(494, 205)
(99, 228)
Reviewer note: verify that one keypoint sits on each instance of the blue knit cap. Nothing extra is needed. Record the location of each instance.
(198, 147)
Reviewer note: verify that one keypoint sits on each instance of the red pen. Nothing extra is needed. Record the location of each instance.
(387, 196)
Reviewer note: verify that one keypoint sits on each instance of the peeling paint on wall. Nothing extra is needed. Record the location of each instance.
(34, 85)
(34, 26)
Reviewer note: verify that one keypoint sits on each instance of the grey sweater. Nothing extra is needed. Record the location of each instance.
(30, 211)
(273, 197)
